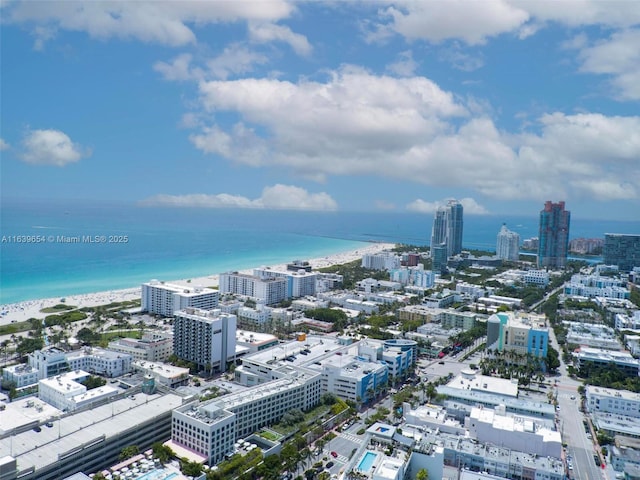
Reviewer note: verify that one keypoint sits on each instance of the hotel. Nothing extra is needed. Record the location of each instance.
(206, 338)
(159, 298)
(210, 429)
(265, 290)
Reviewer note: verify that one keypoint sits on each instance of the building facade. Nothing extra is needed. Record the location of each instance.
(160, 298)
(206, 338)
(266, 290)
(622, 250)
(553, 243)
(447, 228)
(508, 244)
(153, 346)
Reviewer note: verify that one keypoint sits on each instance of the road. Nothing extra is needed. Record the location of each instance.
(580, 448)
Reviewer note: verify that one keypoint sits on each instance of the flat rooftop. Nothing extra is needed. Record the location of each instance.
(22, 412)
(254, 338)
(40, 449)
(613, 393)
(163, 369)
(484, 383)
(184, 290)
(314, 347)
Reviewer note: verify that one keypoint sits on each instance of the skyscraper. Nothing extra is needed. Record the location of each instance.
(622, 250)
(508, 244)
(553, 243)
(447, 227)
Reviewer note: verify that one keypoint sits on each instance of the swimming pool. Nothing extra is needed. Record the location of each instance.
(367, 461)
(157, 474)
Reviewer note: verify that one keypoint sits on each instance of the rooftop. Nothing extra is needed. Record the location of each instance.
(40, 449)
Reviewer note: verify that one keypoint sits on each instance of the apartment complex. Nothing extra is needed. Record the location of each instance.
(381, 261)
(67, 393)
(266, 290)
(447, 228)
(522, 334)
(153, 346)
(553, 243)
(299, 283)
(622, 250)
(596, 285)
(160, 298)
(508, 244)
(206, 338)
(609, 400)
(588, 358)
(210, 429)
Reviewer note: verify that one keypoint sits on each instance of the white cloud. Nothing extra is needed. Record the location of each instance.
(356, 123)
(179, 69)
(165, 22)
(475, 22)
(619, 57)
(405, 66)
(471, 22)
(422, 206)
(461, 60)
(470, 206)
(4, 145)
(235, 59)
(270, 32)
(277, 197)
(51, 147)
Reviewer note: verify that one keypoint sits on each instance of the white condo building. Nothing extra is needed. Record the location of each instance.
(300, 283)
(66, 393)
(153, 346)
(266, 290)
(609, 400)
(206, 338)
(508, 244)
(381, 261)
(99, 361)
(525, 434)
(210, 429)
(165, 299)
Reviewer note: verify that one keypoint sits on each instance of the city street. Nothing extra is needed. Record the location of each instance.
(580, 448)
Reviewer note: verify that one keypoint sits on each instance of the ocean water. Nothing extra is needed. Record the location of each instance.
(172, 243)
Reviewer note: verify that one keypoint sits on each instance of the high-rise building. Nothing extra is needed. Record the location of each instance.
(447, 227)
(508, 244)
(622, 250)
(165, 299)
(206, 338)
(553, 243)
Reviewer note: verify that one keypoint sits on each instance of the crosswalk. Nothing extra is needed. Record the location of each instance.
(351, 437)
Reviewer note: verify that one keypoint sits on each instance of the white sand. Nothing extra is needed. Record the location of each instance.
(18, 312)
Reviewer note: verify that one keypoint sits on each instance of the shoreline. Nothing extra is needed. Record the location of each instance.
(21, 311)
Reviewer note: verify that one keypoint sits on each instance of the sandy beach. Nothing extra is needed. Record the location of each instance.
(18, 312)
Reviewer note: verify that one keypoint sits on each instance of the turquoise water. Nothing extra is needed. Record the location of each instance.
(174, 243)
(156, 475)
(367, 461)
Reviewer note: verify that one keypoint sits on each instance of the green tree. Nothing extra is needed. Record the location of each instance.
(422, 474)
(162, 452)
(129, 451)
(191, 469)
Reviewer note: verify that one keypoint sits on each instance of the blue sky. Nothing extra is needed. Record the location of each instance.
(393, 106)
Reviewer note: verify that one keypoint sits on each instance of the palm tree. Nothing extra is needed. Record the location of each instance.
(422, 474)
